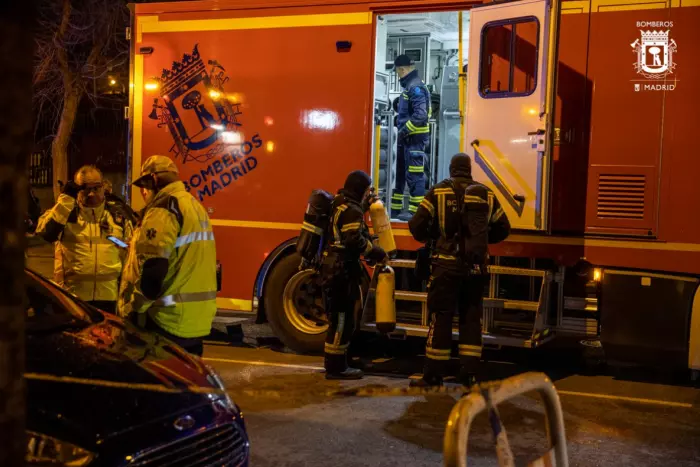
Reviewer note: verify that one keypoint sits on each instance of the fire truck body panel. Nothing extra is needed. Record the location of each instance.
(293, 92)
(254, 191)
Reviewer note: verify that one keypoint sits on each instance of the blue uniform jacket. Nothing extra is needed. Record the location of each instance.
(414, 106)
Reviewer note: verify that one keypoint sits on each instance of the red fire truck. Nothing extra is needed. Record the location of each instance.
(578, 114)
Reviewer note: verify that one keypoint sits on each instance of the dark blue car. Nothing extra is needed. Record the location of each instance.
(102, 392)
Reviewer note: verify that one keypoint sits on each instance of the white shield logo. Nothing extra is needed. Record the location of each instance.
(654, 54)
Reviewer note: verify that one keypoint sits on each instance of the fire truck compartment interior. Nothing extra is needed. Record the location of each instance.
(431, 39)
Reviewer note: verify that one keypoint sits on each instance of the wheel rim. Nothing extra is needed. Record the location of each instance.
(298, 301)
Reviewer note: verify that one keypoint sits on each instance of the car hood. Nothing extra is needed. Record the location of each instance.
(113, 351)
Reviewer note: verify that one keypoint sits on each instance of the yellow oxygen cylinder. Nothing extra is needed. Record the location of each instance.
(385, 302)
(381, 224)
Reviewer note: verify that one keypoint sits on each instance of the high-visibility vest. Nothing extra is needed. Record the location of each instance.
(85, 262)
(175, 226)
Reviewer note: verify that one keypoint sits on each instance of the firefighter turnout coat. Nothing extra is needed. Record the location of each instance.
(85, 262)
(175, 227)
(438, 218)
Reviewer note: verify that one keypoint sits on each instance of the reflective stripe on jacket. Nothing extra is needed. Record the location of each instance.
(414, 108)
(438, 218)
(349, 231)
(176, 227)
(85, 262)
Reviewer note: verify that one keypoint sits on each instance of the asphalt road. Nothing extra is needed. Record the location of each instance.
(618, 417)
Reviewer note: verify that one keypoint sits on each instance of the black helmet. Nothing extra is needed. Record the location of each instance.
(356, 184)
(461, 165)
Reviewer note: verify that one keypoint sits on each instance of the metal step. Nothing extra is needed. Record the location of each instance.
(488, 302)
(584, 304)
(503, 270)
(496, 329)
(488, 339)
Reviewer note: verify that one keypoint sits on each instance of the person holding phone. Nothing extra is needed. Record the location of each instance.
(86, 262)
(169, 284)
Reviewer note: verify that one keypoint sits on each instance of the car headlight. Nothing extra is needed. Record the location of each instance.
(45, 450)
(215, 379)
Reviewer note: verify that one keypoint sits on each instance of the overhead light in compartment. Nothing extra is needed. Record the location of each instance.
(422, 23)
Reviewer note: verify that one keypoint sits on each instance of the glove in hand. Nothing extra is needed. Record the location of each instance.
(376, 254)
(71, 189)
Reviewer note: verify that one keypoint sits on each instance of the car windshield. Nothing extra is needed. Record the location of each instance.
(50, 308)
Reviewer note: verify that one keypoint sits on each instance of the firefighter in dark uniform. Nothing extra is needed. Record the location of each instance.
(414, 110)
(459, 266)
(341, 271)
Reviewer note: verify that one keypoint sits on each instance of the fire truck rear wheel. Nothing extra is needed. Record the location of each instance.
(289, 300)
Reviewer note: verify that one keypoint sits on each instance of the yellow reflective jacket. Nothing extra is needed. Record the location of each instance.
(176, 227)
(85, 262)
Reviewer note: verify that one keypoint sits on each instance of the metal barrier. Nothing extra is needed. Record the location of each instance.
(488, 396)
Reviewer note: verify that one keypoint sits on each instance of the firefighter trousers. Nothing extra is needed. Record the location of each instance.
(450, 291)
(341, 290)
(410, 170)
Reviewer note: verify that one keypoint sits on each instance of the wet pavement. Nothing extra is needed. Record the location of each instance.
(617, 417)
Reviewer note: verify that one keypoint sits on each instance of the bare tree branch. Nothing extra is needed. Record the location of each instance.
(79, 48)
(61, 52)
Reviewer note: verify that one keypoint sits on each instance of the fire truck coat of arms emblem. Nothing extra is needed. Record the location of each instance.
(194, 107)
(654, 54)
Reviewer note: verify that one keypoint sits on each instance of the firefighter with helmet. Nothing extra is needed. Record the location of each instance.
(169, 283)
(414, 110)
(463, 216)
(341, 270)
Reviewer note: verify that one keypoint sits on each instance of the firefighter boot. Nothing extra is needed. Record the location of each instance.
(467, 378)
(337, 368)
(426, 382)
(468, 369)
(432, 375)
(405, 216)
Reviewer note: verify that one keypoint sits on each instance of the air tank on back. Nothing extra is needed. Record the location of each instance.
(315, 224)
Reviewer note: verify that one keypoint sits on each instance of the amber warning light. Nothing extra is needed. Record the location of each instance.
(597, 274)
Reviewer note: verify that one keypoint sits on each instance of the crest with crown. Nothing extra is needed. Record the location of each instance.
(655, 36)
(180, 80)
(181, 72)
(658, 39)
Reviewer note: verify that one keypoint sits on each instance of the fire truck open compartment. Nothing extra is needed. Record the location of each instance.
(504, 73)
(431, 39)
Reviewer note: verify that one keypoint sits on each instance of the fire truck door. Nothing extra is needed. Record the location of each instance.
(509, 95)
